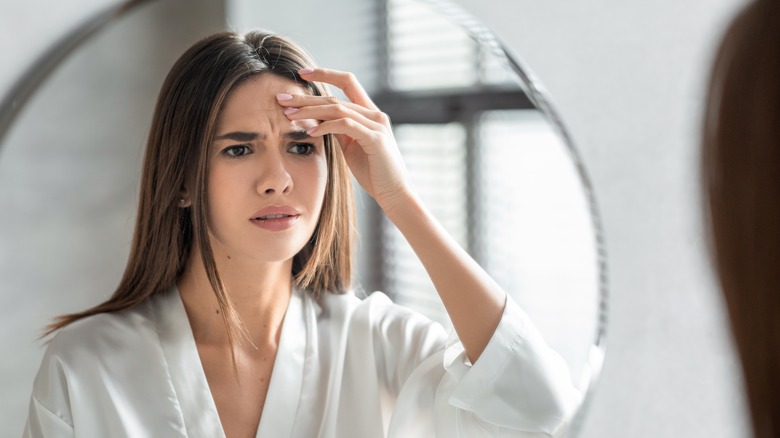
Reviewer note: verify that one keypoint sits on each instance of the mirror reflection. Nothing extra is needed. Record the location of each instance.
(487, 164)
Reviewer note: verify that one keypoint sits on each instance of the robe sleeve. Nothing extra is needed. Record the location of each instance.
(519, 387)
(517, 383)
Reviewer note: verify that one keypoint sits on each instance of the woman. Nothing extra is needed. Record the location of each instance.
(233, 317)
(741, 180)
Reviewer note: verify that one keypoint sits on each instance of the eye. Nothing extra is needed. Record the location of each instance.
(302, 148)
(236, 151)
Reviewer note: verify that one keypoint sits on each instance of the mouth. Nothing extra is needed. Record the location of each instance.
(275, 218)
(275, 222)
(269, 217)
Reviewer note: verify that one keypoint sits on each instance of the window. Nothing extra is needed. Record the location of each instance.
(440, 86)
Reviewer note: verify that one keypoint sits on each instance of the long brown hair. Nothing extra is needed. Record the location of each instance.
(741, 182)
(183, 127)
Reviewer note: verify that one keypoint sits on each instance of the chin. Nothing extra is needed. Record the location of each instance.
(275, 254)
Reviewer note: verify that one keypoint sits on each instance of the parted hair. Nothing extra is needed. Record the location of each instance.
(741, 190)
(176, 158)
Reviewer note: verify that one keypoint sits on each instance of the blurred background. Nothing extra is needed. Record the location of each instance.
(628, 81)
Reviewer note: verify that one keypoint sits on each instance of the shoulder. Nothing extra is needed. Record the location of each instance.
(375, 312)
(350, 300)
(350, 305)
(93, 337)
(86, 353)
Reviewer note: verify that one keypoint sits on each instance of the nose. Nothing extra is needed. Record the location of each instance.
(274, 177)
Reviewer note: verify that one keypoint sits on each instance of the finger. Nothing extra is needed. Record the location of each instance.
(346, 81)
(334, 112)
(349, 127)
(298, 102)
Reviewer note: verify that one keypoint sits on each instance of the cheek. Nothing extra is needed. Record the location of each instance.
(215, 187)
(224, 188)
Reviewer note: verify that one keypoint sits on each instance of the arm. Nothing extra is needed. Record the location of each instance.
(472, 299)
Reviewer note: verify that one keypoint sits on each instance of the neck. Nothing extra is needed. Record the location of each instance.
(259, 291)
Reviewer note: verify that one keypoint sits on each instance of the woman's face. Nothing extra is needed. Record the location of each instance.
(267, 177)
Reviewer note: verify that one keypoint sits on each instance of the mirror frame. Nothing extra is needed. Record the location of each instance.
(46, 63)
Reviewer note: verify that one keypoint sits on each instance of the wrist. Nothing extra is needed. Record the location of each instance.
(402, 205)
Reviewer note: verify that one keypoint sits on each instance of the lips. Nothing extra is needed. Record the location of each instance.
(275, 212)
(275, 218)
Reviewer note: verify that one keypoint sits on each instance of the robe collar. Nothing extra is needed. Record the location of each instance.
(193, 397)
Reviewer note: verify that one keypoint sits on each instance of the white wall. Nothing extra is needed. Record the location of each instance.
(69, 168)
(628, 79)
(28, 27)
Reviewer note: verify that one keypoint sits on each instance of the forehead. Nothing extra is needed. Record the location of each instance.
(256, 97)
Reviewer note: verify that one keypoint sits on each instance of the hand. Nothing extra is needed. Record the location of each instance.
(361, 129)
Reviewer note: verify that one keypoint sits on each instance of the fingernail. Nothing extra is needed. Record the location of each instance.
(284, 96)
(289, 111)
(311, 131)
(306, 71)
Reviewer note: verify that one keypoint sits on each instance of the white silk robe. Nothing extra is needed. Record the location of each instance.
(344, 368)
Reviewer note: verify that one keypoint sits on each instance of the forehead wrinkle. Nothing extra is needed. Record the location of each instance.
(250, 106)
(265, 128)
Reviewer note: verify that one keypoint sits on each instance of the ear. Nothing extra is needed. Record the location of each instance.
(184, 199)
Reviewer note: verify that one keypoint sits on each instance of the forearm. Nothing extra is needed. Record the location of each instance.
(472, 299)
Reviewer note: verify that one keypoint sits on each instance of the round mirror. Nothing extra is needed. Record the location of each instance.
(482, 143)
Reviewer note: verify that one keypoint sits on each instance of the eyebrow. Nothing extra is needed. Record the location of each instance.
(250, 136)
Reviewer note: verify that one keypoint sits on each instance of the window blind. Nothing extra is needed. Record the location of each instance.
(425, 52)
(436, 160)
